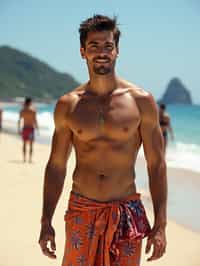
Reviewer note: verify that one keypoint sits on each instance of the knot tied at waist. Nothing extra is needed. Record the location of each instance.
(107, 224)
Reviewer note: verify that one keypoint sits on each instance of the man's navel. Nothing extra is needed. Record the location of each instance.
(102, 177)
(125, 129)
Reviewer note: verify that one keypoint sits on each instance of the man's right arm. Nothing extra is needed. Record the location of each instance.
(55, 175)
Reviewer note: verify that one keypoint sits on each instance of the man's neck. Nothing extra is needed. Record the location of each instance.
(102, 85)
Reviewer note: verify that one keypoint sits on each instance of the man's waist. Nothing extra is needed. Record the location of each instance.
(28, 127)
(104, 193)
(88, 202)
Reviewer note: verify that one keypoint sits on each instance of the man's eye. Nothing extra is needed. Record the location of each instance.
(109, 47)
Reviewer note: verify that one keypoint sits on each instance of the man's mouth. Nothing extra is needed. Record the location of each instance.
(102, 61)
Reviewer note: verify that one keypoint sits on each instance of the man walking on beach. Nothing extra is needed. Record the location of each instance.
(106, 120)
(28, 117)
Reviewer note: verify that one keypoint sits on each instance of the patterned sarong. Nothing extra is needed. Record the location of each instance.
(104, 233)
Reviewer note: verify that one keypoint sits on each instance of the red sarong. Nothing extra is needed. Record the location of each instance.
(104, 233)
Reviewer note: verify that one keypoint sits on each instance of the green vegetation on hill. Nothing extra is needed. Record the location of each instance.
(22, 75)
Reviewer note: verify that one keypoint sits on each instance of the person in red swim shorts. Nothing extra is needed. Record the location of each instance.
(28, 133)
(28, 117)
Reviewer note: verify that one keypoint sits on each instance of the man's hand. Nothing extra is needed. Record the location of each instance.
(157, 239)
(47, 241)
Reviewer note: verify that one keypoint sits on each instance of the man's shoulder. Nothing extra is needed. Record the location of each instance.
(22, 111)
(143, 98)
(71, 95)
(138, 93)
(66, 101)
(134, 89)
(33, 110)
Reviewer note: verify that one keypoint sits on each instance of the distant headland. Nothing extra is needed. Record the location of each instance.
(176, 93)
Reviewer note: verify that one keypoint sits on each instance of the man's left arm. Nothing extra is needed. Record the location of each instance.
(154, 154)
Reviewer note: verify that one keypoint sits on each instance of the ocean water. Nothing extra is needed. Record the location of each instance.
(183, 152)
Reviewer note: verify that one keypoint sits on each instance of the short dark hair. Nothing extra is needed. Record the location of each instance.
(28, 100)
(162, 106)
(98, 23)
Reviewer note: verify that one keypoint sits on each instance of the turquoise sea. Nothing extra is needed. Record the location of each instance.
(183, 152)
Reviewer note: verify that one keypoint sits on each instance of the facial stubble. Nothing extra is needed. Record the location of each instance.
(103, 69)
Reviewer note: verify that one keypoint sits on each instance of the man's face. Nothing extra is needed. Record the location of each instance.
(100, 52)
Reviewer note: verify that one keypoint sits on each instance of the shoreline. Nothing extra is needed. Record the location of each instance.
(183, 194)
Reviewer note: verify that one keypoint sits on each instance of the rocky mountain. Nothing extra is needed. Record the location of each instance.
(176, 93)
(23, 75)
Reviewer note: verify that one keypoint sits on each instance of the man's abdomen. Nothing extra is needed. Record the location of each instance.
(105, 169)
(103, 185)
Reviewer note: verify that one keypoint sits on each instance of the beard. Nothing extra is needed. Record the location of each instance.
(104, 68)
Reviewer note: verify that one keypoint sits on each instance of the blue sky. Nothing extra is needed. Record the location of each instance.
(160, 39)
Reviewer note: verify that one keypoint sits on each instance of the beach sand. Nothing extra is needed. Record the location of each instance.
(21, 203)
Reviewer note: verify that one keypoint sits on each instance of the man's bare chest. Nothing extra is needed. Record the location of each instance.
(114, 118)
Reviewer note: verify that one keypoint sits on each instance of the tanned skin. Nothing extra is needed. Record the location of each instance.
(105, 151)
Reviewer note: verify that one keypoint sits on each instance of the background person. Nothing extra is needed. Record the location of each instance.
(29, 122)
(165, 124)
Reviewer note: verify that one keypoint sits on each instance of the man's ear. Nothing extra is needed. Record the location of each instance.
(117, 51)
(82, 51)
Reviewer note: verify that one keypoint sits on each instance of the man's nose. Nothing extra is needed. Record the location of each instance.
(102, 51)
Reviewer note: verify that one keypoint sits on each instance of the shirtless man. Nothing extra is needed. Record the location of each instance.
(28, 117)
(106, 120)
(165, 124)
